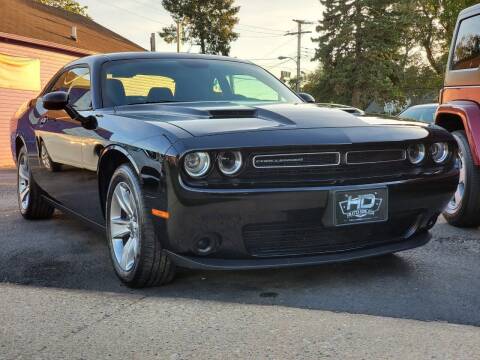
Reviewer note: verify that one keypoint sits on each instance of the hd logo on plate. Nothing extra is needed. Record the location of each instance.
(361, 206)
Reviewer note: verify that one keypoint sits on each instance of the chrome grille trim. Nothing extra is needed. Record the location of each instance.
(336, 163)
(402, 158)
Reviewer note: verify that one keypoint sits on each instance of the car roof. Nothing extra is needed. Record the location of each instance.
(426, 105)
(472, 10)
(423, 105)
(101, 58)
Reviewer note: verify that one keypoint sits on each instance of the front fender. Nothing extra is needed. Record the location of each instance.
(468, 113)
(115, 147)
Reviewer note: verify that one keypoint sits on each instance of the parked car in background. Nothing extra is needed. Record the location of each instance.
(349, 109)
(212, 163)
(424, 113)
(459, 113)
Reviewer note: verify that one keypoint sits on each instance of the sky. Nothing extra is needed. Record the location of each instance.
(261, 27)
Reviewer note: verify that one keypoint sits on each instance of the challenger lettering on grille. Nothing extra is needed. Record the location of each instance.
(296, 160)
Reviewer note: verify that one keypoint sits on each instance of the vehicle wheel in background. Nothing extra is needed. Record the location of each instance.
(464, 208)
(32, 205)
(136, 253)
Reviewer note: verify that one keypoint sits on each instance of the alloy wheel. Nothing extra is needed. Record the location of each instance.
(23, 182)
(124, 228)
(457, 198)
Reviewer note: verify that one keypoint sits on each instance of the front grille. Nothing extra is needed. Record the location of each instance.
(320, 166)
(297, 238)
(375, 156)
(296, 160)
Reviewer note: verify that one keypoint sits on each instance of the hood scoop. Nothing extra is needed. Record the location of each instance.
(232, 113)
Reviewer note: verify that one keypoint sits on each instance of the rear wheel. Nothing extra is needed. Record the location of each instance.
(136, 253)
(463, 210)
(30, 202)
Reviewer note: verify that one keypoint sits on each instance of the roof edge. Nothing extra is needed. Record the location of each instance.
(472, 10)
(47, 44)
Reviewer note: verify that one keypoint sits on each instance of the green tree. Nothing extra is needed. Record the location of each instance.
(358, 48)
(69, 5)
(434, 24)
(208, 24)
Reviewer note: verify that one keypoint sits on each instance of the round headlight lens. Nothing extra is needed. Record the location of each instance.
(439, 152)
(197, 164)
(416, 153)
(230, 162)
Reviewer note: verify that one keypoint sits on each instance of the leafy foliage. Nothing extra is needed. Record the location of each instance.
(208, 24)
(69, 5)
(358, 48)
(378, 50)
(434, 24)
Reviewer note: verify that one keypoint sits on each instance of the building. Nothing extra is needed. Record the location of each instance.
(35, 41)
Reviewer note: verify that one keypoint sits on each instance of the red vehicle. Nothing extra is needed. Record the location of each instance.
(459, 112)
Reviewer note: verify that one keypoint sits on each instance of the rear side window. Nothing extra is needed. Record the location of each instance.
(467, 47)
(76, 82)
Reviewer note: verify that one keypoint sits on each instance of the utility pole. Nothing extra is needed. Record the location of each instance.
(299, 34)
(179, 36)
(152, 42)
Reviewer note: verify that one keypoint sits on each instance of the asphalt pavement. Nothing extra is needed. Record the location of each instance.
(59, 298)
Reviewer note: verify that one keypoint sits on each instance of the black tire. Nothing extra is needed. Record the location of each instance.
(35, 207)
(467, 213)
(152, 266)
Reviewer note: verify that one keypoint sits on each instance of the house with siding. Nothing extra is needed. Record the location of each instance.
(35, 42)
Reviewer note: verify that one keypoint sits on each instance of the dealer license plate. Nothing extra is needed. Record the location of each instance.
(361, 206)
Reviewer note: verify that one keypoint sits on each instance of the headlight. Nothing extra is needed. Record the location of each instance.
(439, 152)
(416, 153)
(230, 162)
(197, 164)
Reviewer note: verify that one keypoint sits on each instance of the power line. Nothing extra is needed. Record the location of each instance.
(132, 13)
(276, 65)
(259, 37)
(299, 34)
(264, 59)
(261, 27)
(151, 6)
(277, 48)
(261, 32)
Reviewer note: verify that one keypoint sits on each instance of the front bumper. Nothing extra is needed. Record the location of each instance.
(202, 263)
(265, 228)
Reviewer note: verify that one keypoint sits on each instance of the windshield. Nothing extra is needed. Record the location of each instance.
(140, 81)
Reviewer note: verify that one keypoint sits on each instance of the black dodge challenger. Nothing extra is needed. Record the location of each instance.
(211, 162)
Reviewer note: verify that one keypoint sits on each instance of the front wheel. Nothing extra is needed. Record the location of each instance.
(136, 253)
(463, 210)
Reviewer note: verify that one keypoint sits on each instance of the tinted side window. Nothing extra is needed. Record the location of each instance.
(76, 82)
(467, 48)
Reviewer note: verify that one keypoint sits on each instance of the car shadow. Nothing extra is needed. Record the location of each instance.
(430, 283)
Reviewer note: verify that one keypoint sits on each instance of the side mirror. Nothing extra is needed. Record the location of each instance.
(307, 97)
(57, 100)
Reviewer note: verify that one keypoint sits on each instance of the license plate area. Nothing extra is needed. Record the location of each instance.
(360, 206)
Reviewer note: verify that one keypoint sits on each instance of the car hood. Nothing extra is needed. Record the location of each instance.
(201, 119)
